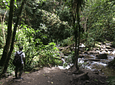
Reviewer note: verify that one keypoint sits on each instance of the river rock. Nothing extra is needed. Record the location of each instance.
(108, 44)
(95, 49)
(90, 59)
(93, 52)
(81, 56)
(108, 47)
(89, 56)
(81, 49)
(97, 45)
(113, 52)
(103, 52)
(101, 56)
(85, 52)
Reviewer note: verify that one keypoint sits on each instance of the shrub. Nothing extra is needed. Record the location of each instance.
(49, 56)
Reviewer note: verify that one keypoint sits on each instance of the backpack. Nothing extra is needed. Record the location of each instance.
(17, 60)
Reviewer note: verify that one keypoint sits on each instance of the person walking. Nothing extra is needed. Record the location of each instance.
(19, 62)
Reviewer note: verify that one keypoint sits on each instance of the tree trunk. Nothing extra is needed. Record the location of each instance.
(75, 57)
(77, 37)
(9, 34)
(76, 48)
(78, 26)
(76, 42)
(2, 23)
(13, 38)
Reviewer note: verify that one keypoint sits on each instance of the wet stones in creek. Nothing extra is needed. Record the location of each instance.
(101, 56)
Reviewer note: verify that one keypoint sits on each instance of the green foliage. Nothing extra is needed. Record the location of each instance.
(6, 4)
(53, 27)
(1, 51)
(36, 53)
(65, 65)
(100, 23)
(111, 80)
(49, 5)
(90, 42)
(9, 71)
(113, 44)
(67, 41)
(49, 56)
(25, 38)
(65, 14)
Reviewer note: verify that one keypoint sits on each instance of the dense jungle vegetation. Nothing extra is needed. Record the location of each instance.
(42, 26)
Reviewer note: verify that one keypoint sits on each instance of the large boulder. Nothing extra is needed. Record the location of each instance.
(101, 56)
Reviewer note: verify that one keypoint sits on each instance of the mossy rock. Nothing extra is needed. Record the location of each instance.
(108, 47)
(97, 45)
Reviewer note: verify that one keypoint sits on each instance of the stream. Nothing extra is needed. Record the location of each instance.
(97, 59)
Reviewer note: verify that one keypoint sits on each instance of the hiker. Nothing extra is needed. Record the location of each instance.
(19, 62)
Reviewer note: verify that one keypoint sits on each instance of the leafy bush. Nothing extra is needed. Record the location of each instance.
(51, 28)
(99, 19)
(36, 53)
(111, 80)
(90, 42)
(49, 56)
(67, 41)
(65, 14)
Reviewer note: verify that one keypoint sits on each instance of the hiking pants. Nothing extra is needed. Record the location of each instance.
(20, 69)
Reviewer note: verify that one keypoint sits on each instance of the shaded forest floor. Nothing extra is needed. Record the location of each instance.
(56, 76)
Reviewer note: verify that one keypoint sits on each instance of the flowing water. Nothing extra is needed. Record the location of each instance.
(90, 61)
(92, 64)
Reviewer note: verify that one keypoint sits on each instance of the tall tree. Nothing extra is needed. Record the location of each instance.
(9, 35)
(75, 6)
(13, 38)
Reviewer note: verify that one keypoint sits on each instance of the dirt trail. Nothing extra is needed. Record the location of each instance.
(54, 76)
(45, 76)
